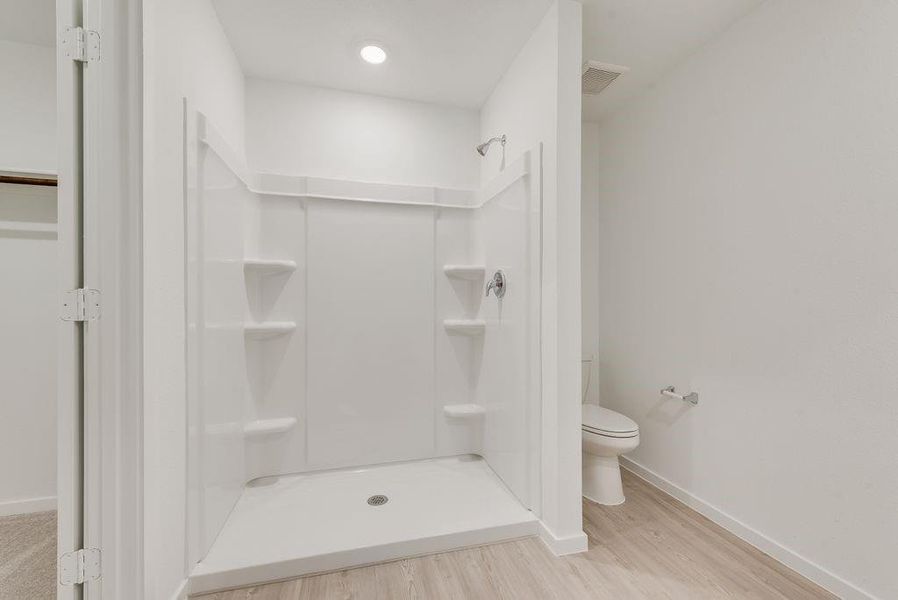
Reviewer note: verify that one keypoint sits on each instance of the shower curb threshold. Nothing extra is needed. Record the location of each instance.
(207, 582)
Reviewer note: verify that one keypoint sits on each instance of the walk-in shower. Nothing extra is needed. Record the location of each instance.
(341, 348)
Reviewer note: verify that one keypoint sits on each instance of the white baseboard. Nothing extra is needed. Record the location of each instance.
(560, 546)
(27, 505)
(791, 559)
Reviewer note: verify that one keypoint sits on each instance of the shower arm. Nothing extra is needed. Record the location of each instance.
(483, 148)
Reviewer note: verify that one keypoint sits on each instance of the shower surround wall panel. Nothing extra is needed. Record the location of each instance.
(217, 207)
(371, 325)
(278, 380)
(454, 355)
(508, 357)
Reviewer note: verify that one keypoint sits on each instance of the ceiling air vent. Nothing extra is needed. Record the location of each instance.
(598, 75)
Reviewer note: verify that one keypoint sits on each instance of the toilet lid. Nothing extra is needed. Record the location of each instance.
(607, 422)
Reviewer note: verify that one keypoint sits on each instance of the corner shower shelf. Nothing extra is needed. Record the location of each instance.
(269, 329)
(463, 411)
(469, 327)
(469, 272)
(267, 427)
(266, 266)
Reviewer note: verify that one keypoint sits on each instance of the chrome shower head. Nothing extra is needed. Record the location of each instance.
(485, 146)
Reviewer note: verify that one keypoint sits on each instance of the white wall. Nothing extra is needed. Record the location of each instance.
(301, 130)
(186, 54)
(589, 258)
(537, 102)
(748, 251)
(28, 271)
(28, 313)
(27, 107)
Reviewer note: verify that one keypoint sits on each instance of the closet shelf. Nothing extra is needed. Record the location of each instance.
(463, 411)
(469, 272)
(267, 427)
(469, 327)
(269, 329)
(268, 266)
(28, 226)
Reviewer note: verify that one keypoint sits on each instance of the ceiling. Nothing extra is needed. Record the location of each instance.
(448, 52)
(650, 37)
(28, 21)
(443, 51)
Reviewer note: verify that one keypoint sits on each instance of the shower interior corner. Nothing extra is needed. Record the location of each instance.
(353, 396)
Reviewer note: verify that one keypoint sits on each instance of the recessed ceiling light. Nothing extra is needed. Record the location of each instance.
(373, 54)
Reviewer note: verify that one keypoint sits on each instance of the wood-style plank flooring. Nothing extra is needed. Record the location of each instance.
(652, 546)
(28, 556)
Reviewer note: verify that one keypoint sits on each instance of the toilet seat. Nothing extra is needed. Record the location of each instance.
(602, 421)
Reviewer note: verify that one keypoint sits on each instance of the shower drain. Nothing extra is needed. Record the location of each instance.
(378, 500)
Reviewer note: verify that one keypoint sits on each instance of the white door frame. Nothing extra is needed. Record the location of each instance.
(69, 464)
(100, 467)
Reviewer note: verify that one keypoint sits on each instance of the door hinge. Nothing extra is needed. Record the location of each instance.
(81, 44)
(81, 305)
(79, 566)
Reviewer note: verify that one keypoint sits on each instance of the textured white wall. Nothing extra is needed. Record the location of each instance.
(186, 54)
(748, 251)
(300, 130)
(27, 107)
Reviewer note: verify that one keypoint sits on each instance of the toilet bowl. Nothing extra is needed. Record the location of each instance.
(606, 435)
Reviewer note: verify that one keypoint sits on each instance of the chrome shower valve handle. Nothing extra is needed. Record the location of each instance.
(496, 284)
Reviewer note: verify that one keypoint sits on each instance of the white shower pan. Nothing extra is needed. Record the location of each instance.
(294, 525)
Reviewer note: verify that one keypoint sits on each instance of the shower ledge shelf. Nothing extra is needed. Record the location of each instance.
(270, 329)
(469, 327)
(463, 411)
(268, 266)
(268, 427)
(469, 272)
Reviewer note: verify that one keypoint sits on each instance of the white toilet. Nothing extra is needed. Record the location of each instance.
(606, 435)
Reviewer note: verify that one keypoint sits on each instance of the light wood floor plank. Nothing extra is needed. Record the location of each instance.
(652, 546)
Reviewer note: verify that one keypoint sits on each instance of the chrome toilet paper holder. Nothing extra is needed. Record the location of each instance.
(671, 392)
